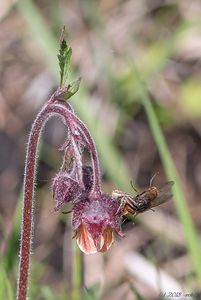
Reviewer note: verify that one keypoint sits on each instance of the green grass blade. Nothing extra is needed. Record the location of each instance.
(6, 291)
(11, 256)
(136, 293)
(77, 272)
(191, 235)
(91, 293)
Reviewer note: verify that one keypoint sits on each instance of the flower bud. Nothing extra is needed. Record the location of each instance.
(65, 189)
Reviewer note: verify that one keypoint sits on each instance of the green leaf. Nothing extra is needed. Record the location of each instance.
(72, 88)
(64, 57)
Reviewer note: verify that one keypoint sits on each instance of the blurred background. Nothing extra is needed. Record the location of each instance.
(140, 63)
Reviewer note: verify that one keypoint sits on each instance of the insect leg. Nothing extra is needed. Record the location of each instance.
(121, 206)
(131, 183)
(152, 179)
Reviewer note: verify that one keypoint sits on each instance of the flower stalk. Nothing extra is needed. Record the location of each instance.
(94, 213)
(27, 223)
(75, 125)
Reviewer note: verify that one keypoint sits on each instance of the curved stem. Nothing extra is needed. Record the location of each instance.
(71, 120)
(48, 110)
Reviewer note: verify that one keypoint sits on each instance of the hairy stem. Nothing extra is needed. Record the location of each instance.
(27, 222)
(72, 119)
(51, 108)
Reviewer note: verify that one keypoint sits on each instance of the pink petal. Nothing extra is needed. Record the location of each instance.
(85, 240)
(108, 239)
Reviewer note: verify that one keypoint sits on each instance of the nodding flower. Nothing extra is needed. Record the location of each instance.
(94, 221)
(95, 218)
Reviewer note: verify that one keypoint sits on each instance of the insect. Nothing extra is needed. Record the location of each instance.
(146, 200)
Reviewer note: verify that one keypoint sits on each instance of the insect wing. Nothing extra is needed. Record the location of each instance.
(166, 187)
(165, 194)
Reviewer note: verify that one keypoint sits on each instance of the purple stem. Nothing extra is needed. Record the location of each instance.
(72, 119)
(52, 107)
(27, 222)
